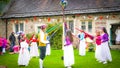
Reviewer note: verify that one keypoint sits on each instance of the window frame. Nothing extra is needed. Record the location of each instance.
(90, 30)
(73, 26)
(19, 28)
(86, 24)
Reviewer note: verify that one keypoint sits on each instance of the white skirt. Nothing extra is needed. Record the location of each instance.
(98, 52)
(34, 50)
(105, 52)
(48, 50)
(23, 58)
(82, 47)
(118, 37)
(3, 50)
(68, 56)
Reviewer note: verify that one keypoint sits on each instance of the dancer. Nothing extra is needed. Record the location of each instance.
(105, 52)
(33, 48)
(24, 55)
(68, 50)
(82, 46)
(42, 43)
(98, 46)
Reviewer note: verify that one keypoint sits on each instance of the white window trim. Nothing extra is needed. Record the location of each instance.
(19, 26)
(86, 26)
(73, 24)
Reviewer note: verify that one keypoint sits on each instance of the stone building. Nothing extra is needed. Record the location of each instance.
(88, 15)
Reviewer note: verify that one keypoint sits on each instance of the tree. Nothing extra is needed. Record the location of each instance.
(3, 3)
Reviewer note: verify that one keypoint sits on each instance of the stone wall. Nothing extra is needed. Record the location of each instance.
(31, 24)
(9, 28)
(2, 29)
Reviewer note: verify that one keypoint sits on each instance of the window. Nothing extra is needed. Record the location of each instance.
(38, 29)
(90, 26)
(83, 26)
(16, 28)
(71, 25)
(19, 27)
(86, 26)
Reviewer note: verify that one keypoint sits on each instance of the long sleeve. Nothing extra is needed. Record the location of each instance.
(42, 35)
(81, 36)
(105, 38)
(98, 40)
(67, 40)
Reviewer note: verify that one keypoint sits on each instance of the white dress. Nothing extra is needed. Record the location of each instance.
(82, 47)
(24, 56)
(105, 52)
(98, 52)
(117, 35)
(48, 49)
(34, 50)
(68, 55)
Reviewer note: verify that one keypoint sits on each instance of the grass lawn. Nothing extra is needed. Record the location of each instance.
(54, 60)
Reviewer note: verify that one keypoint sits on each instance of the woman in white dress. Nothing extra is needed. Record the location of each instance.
(98, 46)
(82, 46)
(117, 32)
(68, 50)
(105, 50)
(33, 48)
(24, 56)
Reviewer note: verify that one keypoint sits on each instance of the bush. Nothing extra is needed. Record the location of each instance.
(91, 47)
(29, 35)
(56, 40)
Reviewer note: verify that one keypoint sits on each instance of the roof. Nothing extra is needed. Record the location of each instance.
(27, 8)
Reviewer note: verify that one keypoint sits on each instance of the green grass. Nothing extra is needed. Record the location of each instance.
(54, 60)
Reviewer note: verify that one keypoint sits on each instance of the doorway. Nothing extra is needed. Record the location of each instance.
(112, 33)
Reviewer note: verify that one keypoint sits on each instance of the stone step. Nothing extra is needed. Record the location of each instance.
(115, 47)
